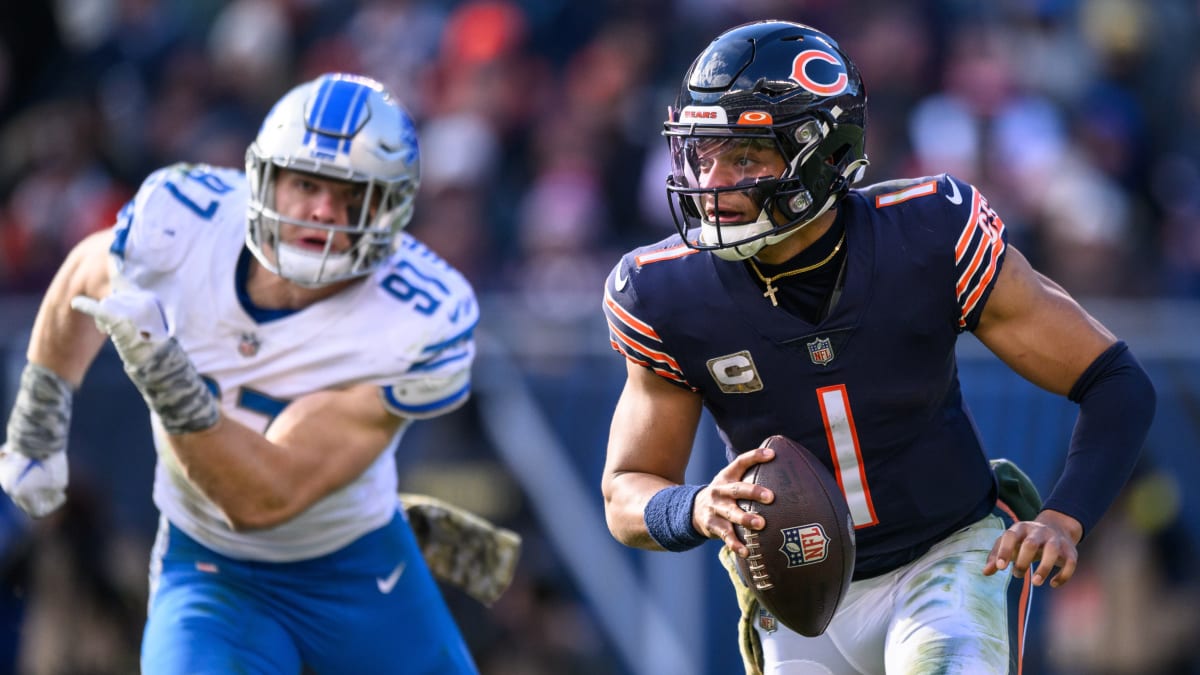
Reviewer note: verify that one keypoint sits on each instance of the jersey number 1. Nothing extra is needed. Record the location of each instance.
(847, 456)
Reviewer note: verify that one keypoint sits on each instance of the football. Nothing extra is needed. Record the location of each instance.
(800, 564)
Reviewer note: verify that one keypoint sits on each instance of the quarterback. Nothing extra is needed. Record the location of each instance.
(791, 303)
(283, 330)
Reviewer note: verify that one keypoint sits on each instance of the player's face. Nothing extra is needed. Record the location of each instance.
(303, 196)
(730, 162)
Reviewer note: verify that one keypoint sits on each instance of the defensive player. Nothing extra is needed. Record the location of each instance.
(791, 304)
(283, 330)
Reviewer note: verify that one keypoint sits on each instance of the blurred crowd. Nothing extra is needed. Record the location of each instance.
(540, 119)
(542, 157)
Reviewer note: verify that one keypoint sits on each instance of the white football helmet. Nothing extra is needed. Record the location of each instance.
(342, 127)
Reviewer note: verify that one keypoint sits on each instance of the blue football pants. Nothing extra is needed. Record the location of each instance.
(371, 607)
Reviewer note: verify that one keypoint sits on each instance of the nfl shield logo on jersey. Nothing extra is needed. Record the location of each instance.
(820, 351)
(249, 345)
(805, 544)
(767, 621)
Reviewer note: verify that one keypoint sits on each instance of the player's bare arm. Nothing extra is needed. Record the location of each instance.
(318, 444)
(63, 340)
(33, 459)
(1036, 328)
(649, 443)
(653, 429)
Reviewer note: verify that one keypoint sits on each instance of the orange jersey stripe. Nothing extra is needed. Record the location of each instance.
(997, 247)
(964, 279)
(630, 344)
(969, 231)
(635, 324)
(647, 364)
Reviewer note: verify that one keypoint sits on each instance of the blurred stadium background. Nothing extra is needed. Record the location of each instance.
(542, 161)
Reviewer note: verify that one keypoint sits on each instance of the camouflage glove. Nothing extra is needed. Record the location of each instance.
(154, 361)
(463, 549)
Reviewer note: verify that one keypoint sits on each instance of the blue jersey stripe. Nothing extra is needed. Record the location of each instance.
(463, 335)
(425, 366)
(121, 230)
(390, 396)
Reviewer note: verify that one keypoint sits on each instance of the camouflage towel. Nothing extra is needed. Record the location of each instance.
(463, 549)
(1017, 490)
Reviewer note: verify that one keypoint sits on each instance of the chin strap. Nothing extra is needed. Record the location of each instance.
(751, 248)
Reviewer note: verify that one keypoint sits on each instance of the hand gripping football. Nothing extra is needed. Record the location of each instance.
(800, 564)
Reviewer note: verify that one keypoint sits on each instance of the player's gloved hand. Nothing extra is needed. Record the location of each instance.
(154, 361)
(38, 486)
(33, 461)
(133, 318)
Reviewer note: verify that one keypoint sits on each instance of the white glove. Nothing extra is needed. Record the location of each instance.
(133, 318)
(38, 486)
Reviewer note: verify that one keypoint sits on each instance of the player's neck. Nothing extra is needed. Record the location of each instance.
(271, 291)
(777, 254)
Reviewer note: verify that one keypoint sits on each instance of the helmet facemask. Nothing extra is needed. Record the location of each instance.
(785, 202)
(371, 230)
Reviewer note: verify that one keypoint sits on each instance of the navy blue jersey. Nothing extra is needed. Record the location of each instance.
(872, 389)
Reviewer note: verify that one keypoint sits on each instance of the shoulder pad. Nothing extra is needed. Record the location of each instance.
(629, 328)
(443, 316)
(953, 224)
(950, 192)
(173, 206)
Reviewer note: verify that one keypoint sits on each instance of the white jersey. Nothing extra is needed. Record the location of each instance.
(408, 328)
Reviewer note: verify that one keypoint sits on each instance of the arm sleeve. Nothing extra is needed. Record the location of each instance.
(1116, 405)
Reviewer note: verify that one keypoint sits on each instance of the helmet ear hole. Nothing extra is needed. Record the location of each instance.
(793, 203)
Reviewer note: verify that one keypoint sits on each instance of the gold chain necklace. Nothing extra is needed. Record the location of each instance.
(771, 289)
